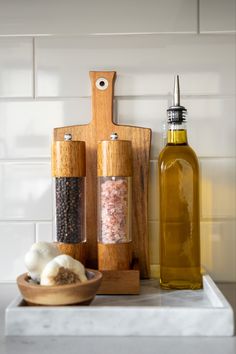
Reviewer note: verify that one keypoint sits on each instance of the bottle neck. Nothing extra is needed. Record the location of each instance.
(177, 134)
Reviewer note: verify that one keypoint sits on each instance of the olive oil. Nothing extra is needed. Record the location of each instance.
(179, 205)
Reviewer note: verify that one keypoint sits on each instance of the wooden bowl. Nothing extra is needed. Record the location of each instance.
(58, 295)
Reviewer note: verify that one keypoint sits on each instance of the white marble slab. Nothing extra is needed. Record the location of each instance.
(154, 312)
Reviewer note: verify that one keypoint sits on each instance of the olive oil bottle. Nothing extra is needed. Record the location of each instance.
(179, 205)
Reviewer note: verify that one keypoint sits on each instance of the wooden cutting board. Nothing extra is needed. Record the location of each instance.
(100, 128)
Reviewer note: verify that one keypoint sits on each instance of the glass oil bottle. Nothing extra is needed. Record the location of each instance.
(179, 205)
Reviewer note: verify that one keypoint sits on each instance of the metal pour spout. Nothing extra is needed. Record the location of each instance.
(176, 94)
(176, 112)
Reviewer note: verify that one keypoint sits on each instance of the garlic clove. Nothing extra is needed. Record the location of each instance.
(38, 256)
(63, 269)
(33, 264)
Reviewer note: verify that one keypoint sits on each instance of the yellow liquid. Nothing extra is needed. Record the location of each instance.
(179, 215)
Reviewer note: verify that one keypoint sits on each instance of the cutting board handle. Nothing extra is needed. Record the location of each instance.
(102, 83)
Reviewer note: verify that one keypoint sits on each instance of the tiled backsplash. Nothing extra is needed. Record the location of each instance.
(44, 83)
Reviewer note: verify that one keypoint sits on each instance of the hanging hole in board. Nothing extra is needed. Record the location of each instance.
(101, 83)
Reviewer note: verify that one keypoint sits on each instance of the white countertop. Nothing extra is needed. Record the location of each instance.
(90, 345)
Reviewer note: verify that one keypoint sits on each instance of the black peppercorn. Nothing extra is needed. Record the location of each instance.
(70, 209)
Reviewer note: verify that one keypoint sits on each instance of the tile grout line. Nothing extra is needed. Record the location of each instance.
(35, 232)
(198, 17)
(104, 34)
(26, 221)
(112, 34)
(34, 70)
(23, 160)
(117, 97)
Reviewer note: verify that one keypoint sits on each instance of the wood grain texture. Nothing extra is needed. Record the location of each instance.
(100, 128)
(68, 159)
(120, 282)
(75, 250)
(114, 256)
(114, 158)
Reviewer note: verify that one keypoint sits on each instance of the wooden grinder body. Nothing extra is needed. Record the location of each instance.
(68, 160)
(114, 160)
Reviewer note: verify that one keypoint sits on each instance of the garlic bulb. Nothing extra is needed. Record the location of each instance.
(38, 256)
(63, 269)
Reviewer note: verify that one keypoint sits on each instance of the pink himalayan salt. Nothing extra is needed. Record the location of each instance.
(114, 211)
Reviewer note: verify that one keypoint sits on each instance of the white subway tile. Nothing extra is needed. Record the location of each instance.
(211, 125)
(217, 16)
(16, 239)
(25, 190)
(218, 249)
(26, 126)
(44, 232)
(16, 67)
(94, 17)
(153, 228)
(218, 188)
(145, 64)
(149, 113)
(153, 195)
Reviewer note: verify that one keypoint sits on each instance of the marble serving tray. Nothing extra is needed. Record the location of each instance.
(154, 312)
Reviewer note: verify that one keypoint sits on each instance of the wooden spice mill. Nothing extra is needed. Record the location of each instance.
(114, 164)
(68, 170)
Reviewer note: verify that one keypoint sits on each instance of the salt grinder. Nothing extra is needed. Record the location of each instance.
(114, 170)
(69, 170)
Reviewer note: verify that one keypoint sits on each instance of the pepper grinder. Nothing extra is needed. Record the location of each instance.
(114, 170)
(69, 170)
